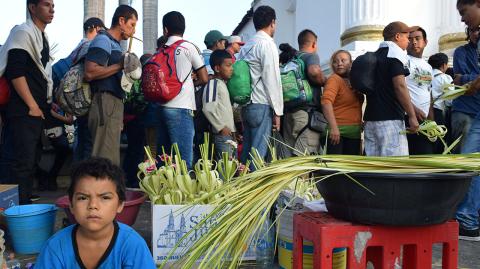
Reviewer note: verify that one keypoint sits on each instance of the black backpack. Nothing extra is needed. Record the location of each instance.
(363, 73)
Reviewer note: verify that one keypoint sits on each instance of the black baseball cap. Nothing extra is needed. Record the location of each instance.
(92, 23)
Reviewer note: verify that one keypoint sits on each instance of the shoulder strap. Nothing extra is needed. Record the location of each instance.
(247, 53)
(75, 59)
(177, 44)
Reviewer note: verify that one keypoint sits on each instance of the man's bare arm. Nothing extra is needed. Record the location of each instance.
(315, 75)
(403, 97)
(94, 71)
(21, 87)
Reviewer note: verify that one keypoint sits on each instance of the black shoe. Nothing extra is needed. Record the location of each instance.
(469, 235)
(34, 198)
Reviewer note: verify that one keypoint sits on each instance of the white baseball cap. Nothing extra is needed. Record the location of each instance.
(236, 39)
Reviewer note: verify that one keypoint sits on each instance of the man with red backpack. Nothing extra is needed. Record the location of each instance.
(177, 86)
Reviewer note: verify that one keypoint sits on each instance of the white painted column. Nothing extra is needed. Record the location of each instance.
(94, 8)
(150, 25)
(364, 12)
(363, 20)
(449, 18)
(452, 29)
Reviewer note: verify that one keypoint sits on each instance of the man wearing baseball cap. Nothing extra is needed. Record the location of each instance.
(234, 45)
(384, 114)
(92, 24)
(214, 40)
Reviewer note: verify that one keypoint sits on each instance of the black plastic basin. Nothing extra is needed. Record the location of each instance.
(399, 199)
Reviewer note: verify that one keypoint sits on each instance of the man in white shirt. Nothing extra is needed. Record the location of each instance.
(266, 105)
(177, 114)
(419, 85)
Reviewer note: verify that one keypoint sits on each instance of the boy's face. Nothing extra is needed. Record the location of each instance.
(416, 43)
(470, 14)
(225, 70)
(95, 203)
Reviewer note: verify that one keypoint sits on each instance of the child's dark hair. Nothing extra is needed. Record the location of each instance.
(100, 169)
(217, 57)
(288, 52)
(437, 60)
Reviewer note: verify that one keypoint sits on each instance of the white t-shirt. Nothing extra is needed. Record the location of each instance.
(187, 58)
(439, 80)
(419, 82)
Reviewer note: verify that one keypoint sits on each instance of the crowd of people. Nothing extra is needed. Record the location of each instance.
(337, 119)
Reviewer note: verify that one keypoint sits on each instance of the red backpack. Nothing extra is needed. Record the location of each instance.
(160, 82)
(4, 91)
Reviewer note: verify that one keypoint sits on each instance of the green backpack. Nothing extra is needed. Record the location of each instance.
(296, 89)
(239, 85)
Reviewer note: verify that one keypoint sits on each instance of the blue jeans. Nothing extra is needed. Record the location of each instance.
(177, 128)
(83, 140)
(150, 116)
(467, 211)
(221, 146)
(257, 123)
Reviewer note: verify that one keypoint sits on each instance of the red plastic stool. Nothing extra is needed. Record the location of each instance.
(381, 245)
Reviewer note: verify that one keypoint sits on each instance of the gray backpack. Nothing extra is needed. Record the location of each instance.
(73, 94)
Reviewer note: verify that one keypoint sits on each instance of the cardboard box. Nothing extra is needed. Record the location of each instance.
(8, 196)
(171, 222)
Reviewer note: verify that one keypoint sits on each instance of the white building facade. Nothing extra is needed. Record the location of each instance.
(356, 25)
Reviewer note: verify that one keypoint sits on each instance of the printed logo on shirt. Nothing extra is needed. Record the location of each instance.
(422, 77)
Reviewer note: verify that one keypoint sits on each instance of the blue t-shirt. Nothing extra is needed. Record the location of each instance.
(126, 250)
(105, 51)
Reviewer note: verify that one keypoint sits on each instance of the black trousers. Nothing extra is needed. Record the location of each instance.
(346, 146)
(438, 147)
(48, 179)
(27, 144)
(418, 144)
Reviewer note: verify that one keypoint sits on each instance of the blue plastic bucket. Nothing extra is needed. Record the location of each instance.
(30, 226)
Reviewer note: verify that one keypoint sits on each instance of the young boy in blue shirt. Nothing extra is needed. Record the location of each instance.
(97, 194)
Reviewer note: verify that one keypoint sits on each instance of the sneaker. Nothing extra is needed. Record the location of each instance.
(469, 235)
(34, 198)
